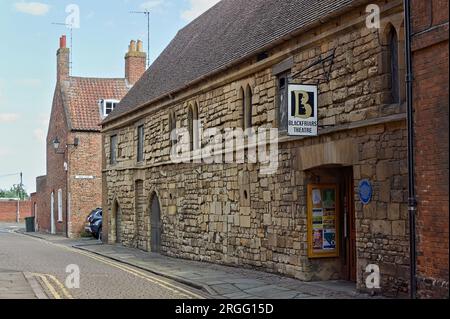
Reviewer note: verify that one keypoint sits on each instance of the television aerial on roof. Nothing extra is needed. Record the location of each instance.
(147, 13)
(70, 26)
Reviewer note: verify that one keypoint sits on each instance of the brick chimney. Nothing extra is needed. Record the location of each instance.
(135, 62)
(63, 60)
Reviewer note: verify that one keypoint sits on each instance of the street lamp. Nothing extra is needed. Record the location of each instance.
(57, 143)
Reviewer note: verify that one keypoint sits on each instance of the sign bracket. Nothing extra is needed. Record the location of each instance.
(327, 66)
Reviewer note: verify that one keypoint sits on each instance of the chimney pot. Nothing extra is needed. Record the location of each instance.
(62, 42)
(139, 46)
(132, 47)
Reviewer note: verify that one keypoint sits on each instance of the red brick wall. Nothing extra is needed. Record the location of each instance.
(135, 65)
(8, 210)
(85, 160)
(40, 200)
(431, 102)
(56, 175)
(85, 192)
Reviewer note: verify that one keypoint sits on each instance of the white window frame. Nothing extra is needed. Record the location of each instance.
(60, 214)
(103, 104)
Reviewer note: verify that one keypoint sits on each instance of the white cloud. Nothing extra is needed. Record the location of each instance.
(44, 119)
(197, 7)
(90, 15)
(40, 135)
(33, 8)
(151, 4)
(29, 82)
(4, 152)
(9, 117)
(2, 97)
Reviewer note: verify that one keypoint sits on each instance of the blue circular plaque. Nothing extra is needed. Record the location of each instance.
(365, 191)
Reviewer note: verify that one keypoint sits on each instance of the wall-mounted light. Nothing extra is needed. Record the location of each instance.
(57, 143)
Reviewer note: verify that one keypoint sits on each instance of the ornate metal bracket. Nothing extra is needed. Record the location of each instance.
(327, 66)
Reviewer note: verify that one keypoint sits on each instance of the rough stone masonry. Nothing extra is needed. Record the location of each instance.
(230, 213)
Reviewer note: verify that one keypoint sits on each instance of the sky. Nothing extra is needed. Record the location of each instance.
(29, 40)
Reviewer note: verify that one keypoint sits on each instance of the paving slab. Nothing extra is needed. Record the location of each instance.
(14, 285)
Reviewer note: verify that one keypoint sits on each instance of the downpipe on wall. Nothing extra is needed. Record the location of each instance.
(412, 202)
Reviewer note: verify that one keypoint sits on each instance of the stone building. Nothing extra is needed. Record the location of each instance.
(230, 68)
(430, 31)
(72, 187)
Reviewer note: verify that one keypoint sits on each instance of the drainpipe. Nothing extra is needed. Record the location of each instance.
(412, 202)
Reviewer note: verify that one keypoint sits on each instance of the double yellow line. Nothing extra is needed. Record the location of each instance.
(184, 293)
(53, 288)
(153, 279)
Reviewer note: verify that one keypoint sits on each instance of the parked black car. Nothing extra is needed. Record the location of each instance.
(94, 223)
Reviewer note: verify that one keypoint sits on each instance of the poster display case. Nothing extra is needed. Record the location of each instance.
(323, 220)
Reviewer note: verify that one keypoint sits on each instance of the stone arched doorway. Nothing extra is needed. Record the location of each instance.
(155, 223)
(116, 223)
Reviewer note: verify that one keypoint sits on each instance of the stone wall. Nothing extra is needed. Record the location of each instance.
(231, 213)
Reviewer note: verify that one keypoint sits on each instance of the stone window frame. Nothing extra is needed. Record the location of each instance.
(248, 107)
(282, 71)
(113, 153)
(282, 92)
(193, 119)
(172, 126)
(140, 143)
(245, 105)
(137, 125)
(391, 26)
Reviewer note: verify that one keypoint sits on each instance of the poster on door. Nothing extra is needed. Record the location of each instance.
(323, 220)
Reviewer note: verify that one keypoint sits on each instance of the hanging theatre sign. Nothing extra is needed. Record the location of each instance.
(302, 110)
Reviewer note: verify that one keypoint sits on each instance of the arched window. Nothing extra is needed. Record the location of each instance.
(241, 101)
(248, 108)
(394, 65)
(172, 128)
(193, 127)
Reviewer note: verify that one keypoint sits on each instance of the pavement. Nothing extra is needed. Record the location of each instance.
(19, 285)
(217, 281)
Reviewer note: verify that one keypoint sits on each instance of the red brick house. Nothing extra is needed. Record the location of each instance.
(72, 186)
(430, 40)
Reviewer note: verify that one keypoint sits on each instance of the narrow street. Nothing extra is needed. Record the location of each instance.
(100, 278)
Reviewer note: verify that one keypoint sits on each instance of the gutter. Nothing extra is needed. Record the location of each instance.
(412, 201)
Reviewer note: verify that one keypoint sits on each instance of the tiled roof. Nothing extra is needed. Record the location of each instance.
(228, 32)
(81, 99)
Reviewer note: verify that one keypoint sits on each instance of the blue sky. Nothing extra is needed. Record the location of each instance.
(28, 47)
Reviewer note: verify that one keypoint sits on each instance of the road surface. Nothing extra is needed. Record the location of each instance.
(100, 278)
